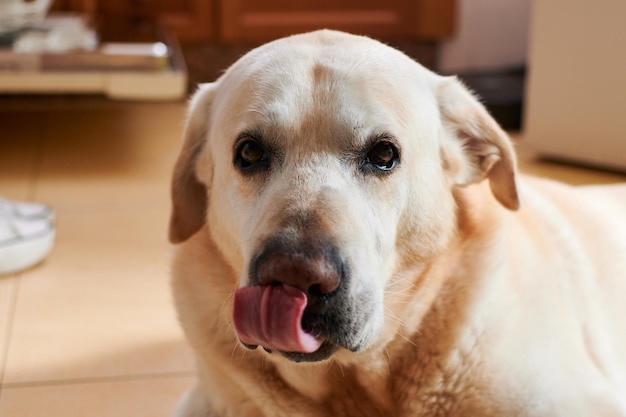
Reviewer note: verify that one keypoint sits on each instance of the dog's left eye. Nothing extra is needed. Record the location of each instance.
(250, 153)
(383, 156)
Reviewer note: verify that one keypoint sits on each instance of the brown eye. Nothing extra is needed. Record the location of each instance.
(250, 153)
(382, 156)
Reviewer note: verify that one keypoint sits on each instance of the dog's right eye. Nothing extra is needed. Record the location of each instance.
(381, 158)
(250, 153)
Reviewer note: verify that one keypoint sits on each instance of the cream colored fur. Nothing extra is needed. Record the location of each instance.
(493, 294)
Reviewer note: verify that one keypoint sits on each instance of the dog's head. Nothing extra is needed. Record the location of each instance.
(324, 167)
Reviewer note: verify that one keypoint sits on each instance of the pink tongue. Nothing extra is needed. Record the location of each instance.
(271, 316)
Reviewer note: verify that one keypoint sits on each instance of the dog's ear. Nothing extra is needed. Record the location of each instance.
(189, 194)
(475, 147)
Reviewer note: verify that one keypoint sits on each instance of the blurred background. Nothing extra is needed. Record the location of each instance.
(92, 103)
(553, 68)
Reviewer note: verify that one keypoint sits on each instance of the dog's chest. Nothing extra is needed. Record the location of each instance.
(414, 390)
(439, 394)
(412, 399)
(436, 380)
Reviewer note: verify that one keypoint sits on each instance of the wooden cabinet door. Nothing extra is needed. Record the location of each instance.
(254, 20)
(188, 20)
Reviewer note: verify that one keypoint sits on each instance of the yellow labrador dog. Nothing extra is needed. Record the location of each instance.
(354, 240)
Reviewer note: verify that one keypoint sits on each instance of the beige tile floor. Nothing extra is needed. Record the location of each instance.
(92, 332)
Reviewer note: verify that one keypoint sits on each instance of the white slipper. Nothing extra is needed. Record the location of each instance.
(24, 241)
(26, 210)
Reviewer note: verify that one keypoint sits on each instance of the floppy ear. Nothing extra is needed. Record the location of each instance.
(475, 146)
(189, 195)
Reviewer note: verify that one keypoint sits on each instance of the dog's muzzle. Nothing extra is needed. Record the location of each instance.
(296, 292)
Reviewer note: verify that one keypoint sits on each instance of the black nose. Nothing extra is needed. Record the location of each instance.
(315, 269)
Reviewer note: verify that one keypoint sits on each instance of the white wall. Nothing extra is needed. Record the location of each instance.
(576, 94)
(491, 34)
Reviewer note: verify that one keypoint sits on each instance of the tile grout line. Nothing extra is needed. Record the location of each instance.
(9, 330)
(98, 380)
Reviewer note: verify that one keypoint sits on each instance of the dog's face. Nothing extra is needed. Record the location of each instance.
(324, 166)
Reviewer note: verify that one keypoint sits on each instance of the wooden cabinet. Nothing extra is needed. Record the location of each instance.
(214, 33)
(255, 21)
(252, 20)
(188, 20)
